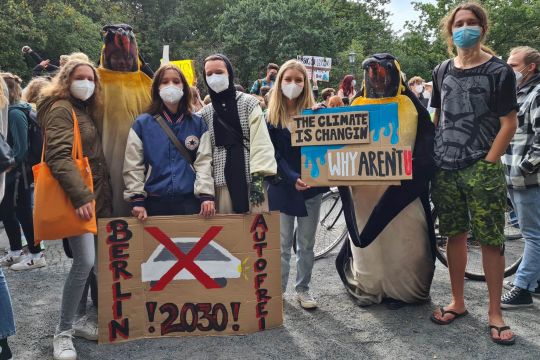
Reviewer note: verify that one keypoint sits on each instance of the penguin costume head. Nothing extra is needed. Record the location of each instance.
(120, 51)
(382, 77)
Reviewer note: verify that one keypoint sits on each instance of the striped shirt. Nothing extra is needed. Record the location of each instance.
(526, 141)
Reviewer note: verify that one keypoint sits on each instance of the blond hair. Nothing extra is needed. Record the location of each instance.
(415, 79)
(277, 105)
(448, 21)
(31, 92)
(530, 55)
(13, 83)
(335, 101)
(60, 84)
(4, 101)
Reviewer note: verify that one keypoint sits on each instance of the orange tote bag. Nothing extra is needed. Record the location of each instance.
(54, 214)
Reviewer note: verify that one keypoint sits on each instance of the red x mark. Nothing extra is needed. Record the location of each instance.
(185, 261)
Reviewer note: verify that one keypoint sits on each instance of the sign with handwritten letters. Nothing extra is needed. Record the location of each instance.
(185, 275)
(352, 145)
(327, 129)
(318, 67)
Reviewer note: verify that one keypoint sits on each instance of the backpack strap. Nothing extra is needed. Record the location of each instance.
(181, 148)
(441, 72)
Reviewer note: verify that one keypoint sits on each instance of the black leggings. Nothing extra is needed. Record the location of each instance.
(178, 205)
(16, 211)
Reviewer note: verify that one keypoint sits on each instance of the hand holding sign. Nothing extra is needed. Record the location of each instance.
(301, 185)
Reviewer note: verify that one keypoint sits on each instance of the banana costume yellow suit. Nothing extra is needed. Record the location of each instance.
(126, 94)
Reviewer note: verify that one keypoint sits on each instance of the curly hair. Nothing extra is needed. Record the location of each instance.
(13, 83)
(60, 84)
(32, 91)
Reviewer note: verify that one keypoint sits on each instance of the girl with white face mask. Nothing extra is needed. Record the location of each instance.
(242, 152)
(75, 89)
(174, 142)
(292, 196)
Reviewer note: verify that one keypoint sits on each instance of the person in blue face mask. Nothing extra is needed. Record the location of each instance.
(475, 117)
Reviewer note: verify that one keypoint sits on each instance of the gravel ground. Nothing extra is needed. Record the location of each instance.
(338, 329)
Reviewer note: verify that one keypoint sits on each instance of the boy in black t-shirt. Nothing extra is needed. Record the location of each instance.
(475, 101)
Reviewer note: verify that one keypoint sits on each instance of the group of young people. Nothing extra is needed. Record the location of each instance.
(230, 157)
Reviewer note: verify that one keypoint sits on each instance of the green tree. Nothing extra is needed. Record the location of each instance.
(18, 26)
(255, 32)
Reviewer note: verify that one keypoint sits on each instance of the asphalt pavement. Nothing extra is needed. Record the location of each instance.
(338, 329)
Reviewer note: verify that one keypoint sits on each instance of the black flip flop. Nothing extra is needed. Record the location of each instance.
(500, 341)
(444, 312)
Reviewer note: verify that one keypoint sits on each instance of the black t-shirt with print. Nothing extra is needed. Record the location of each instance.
(471, 102)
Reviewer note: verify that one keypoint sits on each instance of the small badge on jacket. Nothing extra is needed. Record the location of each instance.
(192, 142)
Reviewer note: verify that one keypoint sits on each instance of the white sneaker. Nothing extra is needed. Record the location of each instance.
(306, 300)
(30, 261)
(11, 258)
(63, 346)
(86, 329)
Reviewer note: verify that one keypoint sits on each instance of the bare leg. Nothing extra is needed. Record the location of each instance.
(456, 252)
(493, 262)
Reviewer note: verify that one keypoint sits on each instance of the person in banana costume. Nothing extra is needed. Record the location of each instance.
(126, 86)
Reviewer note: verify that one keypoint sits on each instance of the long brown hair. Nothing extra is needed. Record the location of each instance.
(60, 84)
(448, 21)
(277, 108)
(157, 104)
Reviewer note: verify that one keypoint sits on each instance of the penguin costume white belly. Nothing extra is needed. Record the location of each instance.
(390, 254)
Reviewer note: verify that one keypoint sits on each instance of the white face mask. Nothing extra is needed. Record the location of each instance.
(171, 94)
(354, 83)
(291, 90)
(419, 89)
(82, 89)
(519, 76)
(218, 82)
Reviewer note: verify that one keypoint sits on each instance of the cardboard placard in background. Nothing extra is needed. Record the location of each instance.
(330, 129)
(185, 275)
(384, 136)
(318, 67)
(188, 69)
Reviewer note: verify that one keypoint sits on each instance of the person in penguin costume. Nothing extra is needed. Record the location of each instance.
(390, 255)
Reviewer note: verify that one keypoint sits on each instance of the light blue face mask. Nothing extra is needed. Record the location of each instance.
(466, 36)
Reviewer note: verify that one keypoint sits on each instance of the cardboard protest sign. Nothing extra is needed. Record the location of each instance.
(185, 275)
(318, 67)
(330, 129)
(188, 69)
(366, 163)
(345, 155)
(186, 66)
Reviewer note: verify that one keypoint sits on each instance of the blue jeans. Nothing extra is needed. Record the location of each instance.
(7, 325)
(305, 241)
(528, 212)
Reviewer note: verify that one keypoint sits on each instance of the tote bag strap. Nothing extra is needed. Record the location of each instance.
(76, 150)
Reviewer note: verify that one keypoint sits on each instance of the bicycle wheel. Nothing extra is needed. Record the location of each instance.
(513, 249)
(331, 229)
